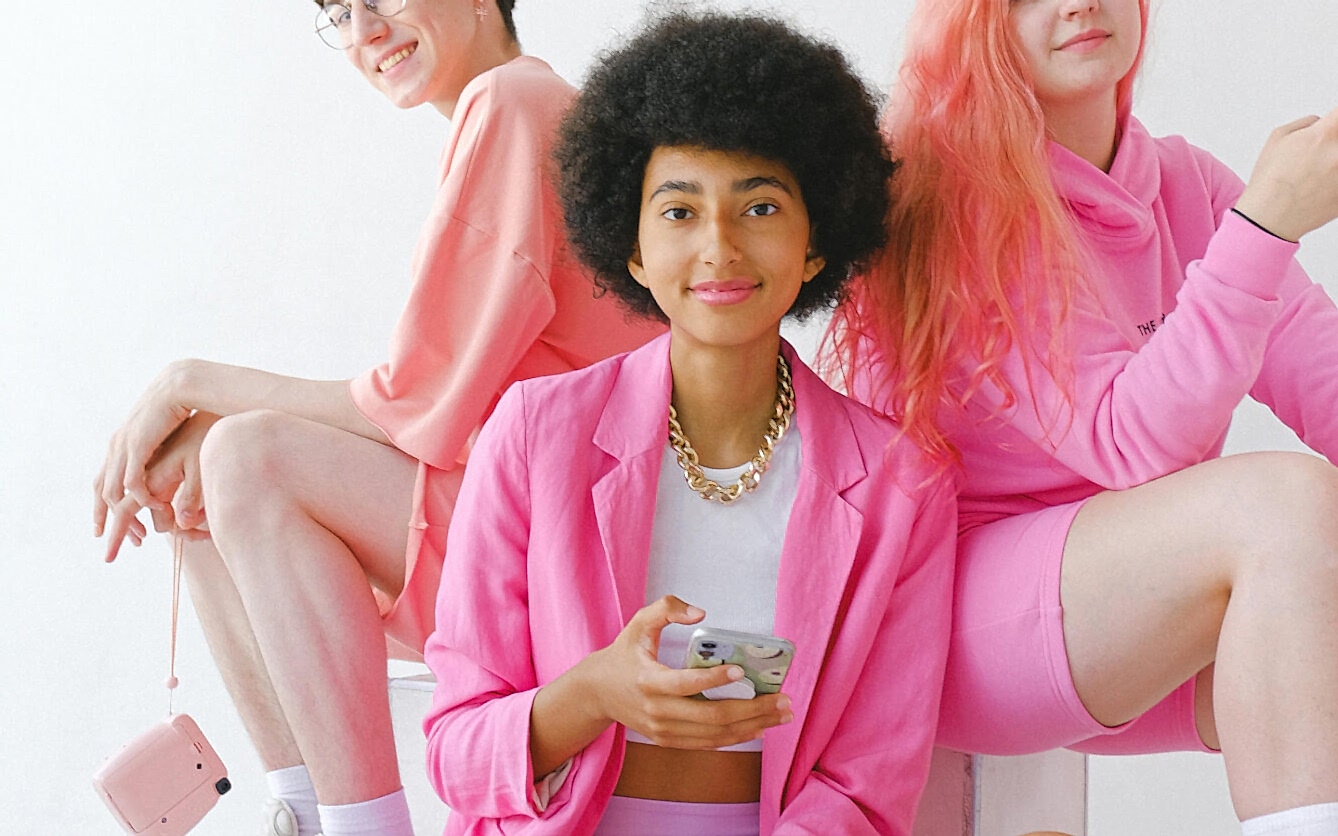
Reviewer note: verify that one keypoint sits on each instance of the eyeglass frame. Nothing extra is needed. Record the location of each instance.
(347, 4)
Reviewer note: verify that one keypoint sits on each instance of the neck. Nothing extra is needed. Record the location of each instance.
(492, 52)
(724, 398)
(1088, 129)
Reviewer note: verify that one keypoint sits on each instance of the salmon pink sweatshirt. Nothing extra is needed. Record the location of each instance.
(1195, 308)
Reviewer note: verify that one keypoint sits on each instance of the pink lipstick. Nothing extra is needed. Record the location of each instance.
(726, 292)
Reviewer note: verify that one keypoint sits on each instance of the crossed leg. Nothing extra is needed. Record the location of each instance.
(305, 521)
(1227, 571)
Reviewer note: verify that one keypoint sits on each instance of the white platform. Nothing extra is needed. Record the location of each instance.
(410, 698)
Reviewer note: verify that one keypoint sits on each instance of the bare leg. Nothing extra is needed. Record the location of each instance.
(228, 631)
(307, 519)
(1234, 560)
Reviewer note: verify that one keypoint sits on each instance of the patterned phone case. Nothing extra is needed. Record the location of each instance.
(765, 660)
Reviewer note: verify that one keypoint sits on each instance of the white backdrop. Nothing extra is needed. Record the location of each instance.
(204, 179)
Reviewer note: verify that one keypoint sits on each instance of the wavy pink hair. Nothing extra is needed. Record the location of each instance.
(982, 254)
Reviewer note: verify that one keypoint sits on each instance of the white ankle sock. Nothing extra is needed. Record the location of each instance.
(1314, 820)
(293, 785)
(384, 816)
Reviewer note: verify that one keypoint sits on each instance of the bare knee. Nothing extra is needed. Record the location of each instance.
(1286, 518)
(243, 461)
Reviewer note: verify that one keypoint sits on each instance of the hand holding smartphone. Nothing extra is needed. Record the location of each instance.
(765, 661)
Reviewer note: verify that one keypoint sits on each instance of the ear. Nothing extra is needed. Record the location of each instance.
(637, 269)
(813, 263)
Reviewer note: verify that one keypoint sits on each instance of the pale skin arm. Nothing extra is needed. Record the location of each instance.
(1292, 188)
(188, 386)
(623, 683)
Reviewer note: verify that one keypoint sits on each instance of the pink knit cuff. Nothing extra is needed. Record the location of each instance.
(1246, 257)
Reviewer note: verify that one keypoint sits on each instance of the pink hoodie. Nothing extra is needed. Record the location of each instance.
(1198, 308)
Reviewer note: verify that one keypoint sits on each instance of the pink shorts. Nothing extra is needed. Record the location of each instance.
(408, 618)
(643, 817)
(1008, 688)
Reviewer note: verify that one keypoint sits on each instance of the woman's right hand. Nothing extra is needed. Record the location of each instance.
(173, 480)
(631, 687)
(1294, 186)
(157, 413)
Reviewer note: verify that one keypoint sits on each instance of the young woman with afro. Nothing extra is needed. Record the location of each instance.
(720, 174)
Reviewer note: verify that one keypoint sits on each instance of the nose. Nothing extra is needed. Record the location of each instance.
(1071, 8)
(365, 27)
(718, 246)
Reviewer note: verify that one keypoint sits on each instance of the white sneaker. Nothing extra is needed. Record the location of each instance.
(279, 818)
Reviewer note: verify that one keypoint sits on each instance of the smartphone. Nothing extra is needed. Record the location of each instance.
(765, 661)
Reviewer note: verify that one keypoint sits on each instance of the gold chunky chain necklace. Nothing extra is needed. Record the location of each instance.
(712, 491)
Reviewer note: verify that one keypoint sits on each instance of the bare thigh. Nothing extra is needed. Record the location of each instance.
(260, 466)
(1148, 572)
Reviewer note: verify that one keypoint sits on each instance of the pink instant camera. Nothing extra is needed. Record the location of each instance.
(164, 781)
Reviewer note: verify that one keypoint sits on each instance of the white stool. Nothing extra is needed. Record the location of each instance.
(410, 699)
(974, 795)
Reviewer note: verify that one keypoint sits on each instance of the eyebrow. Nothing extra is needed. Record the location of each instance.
(739, 186)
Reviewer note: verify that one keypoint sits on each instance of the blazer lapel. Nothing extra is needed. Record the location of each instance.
(820, 548)
(632, 429)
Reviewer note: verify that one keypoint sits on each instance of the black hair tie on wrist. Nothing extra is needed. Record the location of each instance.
(1258, 225)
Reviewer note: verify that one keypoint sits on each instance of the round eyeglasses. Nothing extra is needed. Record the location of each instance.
(334, 21)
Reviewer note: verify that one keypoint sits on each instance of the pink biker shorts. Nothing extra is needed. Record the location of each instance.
(643, 817)
(1008, 689)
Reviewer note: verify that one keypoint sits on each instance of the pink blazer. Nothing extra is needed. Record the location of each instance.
(546, 562)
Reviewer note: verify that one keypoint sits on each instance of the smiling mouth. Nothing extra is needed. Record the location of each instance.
(396, 58)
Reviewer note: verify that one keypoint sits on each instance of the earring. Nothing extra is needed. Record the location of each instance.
(480, 11)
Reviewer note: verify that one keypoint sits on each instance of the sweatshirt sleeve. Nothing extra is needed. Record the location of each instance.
(481, 294)
(1138, 413)
(478, 757)
(1299, 377)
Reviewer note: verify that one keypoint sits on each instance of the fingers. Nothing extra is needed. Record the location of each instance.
(123, 525)
(688, 682)
(1296, 125)
(99, 504)
(111, 489)
(665, 611)
(137, 487)
(703, 724)
(188, 501)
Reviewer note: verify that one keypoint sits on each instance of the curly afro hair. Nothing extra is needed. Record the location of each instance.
(725, 83)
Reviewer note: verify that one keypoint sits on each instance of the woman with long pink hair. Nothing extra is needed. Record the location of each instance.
(1068, 312)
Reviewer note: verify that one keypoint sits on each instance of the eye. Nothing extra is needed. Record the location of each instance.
(761, 210)
(337, 13)
(676, 213)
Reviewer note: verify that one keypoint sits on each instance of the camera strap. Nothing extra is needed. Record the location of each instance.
(171, 682)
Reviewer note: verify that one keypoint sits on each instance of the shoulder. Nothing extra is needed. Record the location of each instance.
(1183, 163)
(570, 400)
(522, 92)
(888, 456)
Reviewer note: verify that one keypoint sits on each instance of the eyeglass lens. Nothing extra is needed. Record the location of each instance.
(334, 20)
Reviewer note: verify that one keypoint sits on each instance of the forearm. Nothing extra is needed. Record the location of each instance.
(565, 718)
(228, 390)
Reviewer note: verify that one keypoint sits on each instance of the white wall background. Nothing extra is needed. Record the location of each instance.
(204, 179)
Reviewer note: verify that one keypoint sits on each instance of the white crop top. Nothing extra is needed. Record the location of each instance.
(724, 559)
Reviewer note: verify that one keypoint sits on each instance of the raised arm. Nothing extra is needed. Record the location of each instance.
(1139, 412)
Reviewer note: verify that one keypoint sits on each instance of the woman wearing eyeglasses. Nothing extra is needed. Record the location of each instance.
(304, 499)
